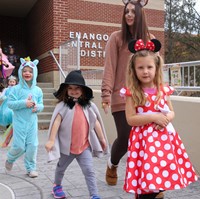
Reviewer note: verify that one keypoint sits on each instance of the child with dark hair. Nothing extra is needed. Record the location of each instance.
(76, 132)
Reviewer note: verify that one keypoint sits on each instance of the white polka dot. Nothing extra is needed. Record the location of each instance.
(145, 133)
(158, 180)
(152, 149)
(179, 151)
(154, 159)
(155, 134)
(144, 185)
(187, 165)
(140, 136)
(180, 161)
(156, 170)
(177, 186)
(167, 184)
(129, 175)
(172, 166)
(177, 142)
(145, 156)
(153, 97)
(150, 139)
(149, 176)
(152, 186)
(165, 173)
(146, 166)
(141, 153)
(171, 137)
(150, 129)
(175, 177)
(136, 172)
(137, 145)
(163, 137)
(131, 164)
(157, 143)
(160, 153)
(140, 110)
(137, 129)
(185, 155)
(134, 183)
(163, 163)
(133, 138)
(182, 146)
(170, 156)
(139, 191)
(189, 174)
(147, 104)
(134, 155)
(139, 163)
(185, 181)
(162, 101)
(128, 154)
(182, 171)
(166, 89)
(167, 147)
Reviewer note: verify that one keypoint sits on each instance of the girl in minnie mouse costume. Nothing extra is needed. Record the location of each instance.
(117, 57)
(76, 132)
(157, 160)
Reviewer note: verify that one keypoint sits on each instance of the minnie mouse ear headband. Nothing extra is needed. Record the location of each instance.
(136, 45)
(75, 78)
(141, 2)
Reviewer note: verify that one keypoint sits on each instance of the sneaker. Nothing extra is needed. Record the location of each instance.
(95, 197)
(57, 192)
(32, 174)
(111, 175)
(8, 165)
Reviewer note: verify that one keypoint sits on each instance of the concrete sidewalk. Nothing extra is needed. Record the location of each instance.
(16, 184)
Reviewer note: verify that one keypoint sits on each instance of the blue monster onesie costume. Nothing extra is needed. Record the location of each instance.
(25, 122)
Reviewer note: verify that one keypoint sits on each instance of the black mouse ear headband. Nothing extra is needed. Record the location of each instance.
(136, 45)
(142, 2)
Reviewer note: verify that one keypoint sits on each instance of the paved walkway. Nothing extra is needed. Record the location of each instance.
(16, 184)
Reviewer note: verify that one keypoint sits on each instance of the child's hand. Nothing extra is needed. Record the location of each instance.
(29, 102)
(49, 146)
(103, 143)
(161, 120)
(34, 109)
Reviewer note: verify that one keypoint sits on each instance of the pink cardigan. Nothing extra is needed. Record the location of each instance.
(116, 61)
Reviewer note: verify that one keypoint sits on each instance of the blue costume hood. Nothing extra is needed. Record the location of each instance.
(31, 64)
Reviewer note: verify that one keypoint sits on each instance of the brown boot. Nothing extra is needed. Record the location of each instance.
(111, 175)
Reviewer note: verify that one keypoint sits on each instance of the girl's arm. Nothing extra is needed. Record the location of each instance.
(100, 135)
(54, 130)
(134, 119)
(171, 114)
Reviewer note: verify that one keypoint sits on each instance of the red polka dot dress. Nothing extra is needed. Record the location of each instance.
(157, 159)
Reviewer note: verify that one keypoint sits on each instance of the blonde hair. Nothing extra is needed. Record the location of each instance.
(134, 84)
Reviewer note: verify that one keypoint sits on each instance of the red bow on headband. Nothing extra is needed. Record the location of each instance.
(139, 45)
(136, 45)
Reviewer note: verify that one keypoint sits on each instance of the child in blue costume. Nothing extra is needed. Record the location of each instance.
(26, 100)
(5, 112)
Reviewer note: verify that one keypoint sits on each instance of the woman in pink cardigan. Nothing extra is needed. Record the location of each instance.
(134, 26)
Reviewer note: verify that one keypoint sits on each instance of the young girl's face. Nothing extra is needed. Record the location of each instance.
(145, 70)
(12, 82)
(27, 73)
(130, 14)
(74, 91)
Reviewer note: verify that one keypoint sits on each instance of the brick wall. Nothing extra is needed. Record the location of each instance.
(52, 22)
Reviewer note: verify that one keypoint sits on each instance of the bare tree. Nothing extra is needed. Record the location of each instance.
(182, 31)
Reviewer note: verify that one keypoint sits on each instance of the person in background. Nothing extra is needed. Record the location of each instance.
(76, 132)
(26, 100)
(13, 59)
(5, 112)
(157, 159)
(134, 26)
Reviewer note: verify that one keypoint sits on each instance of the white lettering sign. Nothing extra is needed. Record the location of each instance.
(92, 43)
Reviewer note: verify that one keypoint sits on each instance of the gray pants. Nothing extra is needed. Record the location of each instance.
(86, 164)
